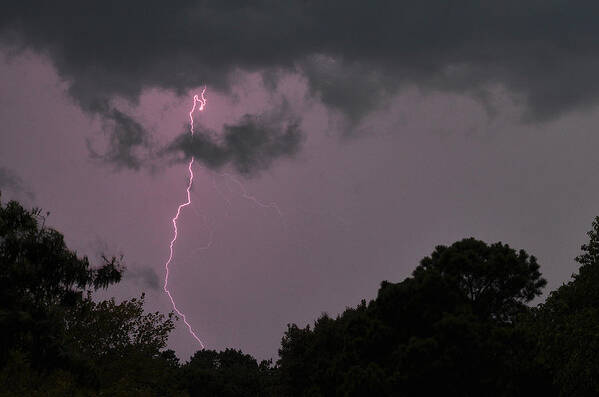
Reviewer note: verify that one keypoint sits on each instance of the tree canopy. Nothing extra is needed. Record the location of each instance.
(448, 322)
(40, 281)
(567, 326)
(461, 324)
(53, 335)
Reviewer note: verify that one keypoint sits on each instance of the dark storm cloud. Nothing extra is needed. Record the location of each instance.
(144, 276)
(125, 137)
(9, 180)
(353, 53)
(249, 146)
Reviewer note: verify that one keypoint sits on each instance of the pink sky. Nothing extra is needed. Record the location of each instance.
(427, 169)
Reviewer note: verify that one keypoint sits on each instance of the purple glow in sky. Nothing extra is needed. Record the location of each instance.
(324, 165)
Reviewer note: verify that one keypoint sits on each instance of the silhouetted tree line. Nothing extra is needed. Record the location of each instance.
(459, 326)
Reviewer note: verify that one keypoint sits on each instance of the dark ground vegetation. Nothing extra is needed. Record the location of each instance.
(460, 325)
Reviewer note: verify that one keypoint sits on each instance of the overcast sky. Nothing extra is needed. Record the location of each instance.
(341, 142)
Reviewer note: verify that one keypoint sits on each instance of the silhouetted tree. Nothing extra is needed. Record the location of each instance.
(445, 330)
(229, 373)
(567, 326)
(458, 326)
(54, 339)
(120, 344)
(40, 280)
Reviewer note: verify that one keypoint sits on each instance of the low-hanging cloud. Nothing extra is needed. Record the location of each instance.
(249, 146)
(144, 276)
(354, 54)
(126, 139)
(9, 180)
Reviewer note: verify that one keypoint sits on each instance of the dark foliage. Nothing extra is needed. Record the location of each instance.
(567, 326)
(447, 330)
(54, 339)
(41, 280)
(229, 373)
(458, 326)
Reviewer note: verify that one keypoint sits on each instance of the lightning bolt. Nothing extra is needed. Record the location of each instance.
(247, 196)
(201, 100)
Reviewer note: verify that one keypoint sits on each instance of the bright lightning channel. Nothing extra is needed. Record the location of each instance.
(201, 100)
